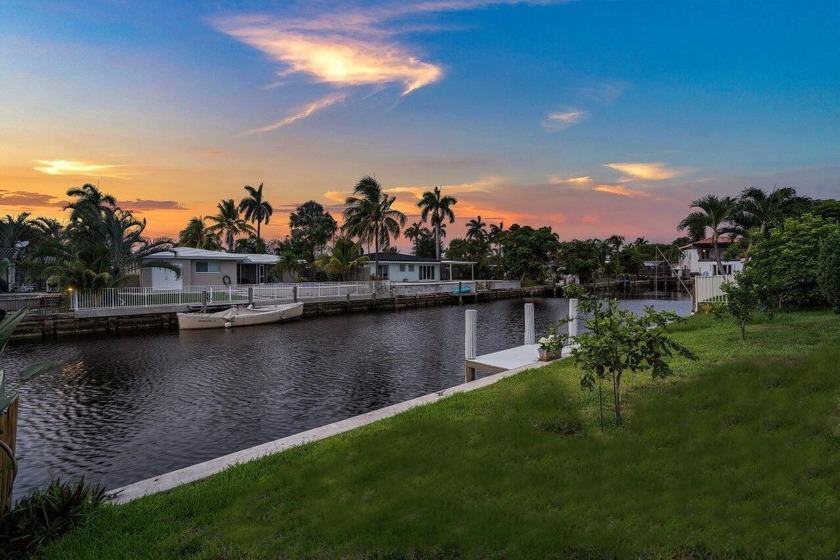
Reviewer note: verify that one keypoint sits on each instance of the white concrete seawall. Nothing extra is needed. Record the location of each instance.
(206, 469)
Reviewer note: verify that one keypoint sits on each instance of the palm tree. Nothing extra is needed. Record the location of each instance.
(415, 233)
(88, 195)
(14, 229)
(197, 234)
(714, 212)
(762, 211)
(256, 209)
(47, 228)
(313, 225)
(346, 255)
(439, 207)
(229, 223)
(476, 229)
(369, 216)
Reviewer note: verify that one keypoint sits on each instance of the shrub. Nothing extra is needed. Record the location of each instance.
(828, 270)
(45, 515)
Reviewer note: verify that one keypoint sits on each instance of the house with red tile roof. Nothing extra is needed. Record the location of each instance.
(700, 259)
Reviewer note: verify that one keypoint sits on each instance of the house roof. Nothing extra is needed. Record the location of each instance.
(723, 240)
(400, 258)
(10, 253)
(190, 253)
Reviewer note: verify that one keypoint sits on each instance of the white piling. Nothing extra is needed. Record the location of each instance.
(470, 334)
(573, 311)
(529, 323)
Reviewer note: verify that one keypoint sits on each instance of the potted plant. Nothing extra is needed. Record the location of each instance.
(551, 346)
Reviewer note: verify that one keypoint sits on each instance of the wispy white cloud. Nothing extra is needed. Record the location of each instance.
(301, 113)
(571, 181)
(561, 120)
(620, 191)
(77, 168)
(655, 171)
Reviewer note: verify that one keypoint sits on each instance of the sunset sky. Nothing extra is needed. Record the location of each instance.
(594, 117)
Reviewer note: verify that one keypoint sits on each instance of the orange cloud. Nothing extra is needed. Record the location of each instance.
(655, 171)
(336, 58)
(77, 168)
(619, 190)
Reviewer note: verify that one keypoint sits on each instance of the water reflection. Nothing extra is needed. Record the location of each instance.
(127, 408)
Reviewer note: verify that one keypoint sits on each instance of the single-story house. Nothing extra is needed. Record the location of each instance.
(699, 258)
(200, 267)
(399, 267)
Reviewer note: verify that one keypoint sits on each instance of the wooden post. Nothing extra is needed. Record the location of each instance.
(294, 293)
(573, 324)
(250, 296)
(8, 466)
(529, 323)
(470, 333)
(204, 301)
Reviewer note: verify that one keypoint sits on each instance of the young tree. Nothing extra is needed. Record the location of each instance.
(619, 342)
(741, 300)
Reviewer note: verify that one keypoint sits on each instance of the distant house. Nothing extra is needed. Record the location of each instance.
(699, 258)
(200, 267)
(399, 267)
(656, 269)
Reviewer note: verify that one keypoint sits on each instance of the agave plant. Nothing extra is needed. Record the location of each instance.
(7, 398)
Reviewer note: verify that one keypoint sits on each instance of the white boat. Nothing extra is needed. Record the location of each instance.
(240, 316)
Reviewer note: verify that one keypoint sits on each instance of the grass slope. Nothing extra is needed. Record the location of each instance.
(738, 455)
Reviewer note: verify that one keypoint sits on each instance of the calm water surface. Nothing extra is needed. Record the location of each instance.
(122, 409)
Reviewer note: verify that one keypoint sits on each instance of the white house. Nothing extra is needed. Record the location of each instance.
(200, 267)
(699, 258)
(399, 267)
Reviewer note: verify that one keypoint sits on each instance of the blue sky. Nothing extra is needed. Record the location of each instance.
(594, 117)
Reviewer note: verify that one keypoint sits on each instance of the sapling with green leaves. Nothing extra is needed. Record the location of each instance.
(618, 341)
(741, 300)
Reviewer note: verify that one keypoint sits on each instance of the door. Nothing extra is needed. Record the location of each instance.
(163, 279)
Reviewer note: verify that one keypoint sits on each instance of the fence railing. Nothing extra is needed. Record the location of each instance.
(707, 289)
(427, 288)
(111, 298)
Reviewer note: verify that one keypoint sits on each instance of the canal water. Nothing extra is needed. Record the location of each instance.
(122, 409)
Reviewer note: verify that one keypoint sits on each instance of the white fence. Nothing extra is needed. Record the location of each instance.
(707, 289)
(111, 298)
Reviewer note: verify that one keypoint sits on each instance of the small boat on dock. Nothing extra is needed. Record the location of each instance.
(240, 316)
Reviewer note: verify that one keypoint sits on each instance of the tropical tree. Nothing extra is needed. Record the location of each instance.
(369, 216)
(228, 223)
(415, 233)
(257, 209)
(88, 196)
(435, 206)
(14, 229)
(47, 228)
(757, 211)
(313, 226)
(476, 229)
(346, 255)
(713, 213)
(197, 234)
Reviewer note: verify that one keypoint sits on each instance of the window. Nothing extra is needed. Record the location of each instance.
(704, 254)
(411, 268)
(427, 272)
(383, 271)
(402, 268)
(208, 266)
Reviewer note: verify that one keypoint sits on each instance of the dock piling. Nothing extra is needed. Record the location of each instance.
(470, 332)
(573, 324)
(529, 323)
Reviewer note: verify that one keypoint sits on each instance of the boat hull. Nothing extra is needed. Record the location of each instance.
(240, 317)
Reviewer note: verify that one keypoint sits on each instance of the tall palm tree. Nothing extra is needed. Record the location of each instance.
(255, 207)
(228, 223)
(497, 233)
(14, 229)
(476, 229)
(369, 216)
(345, 256)
(197, 234)
(47, 228)
(713, 212)
(439, 208)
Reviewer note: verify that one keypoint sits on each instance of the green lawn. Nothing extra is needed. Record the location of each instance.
(738, 455)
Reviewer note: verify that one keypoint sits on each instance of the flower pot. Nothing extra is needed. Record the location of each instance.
(548, 355)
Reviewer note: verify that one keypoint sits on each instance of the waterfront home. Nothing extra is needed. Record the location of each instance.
(399, 267)
(200, 267)
(699, 258)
